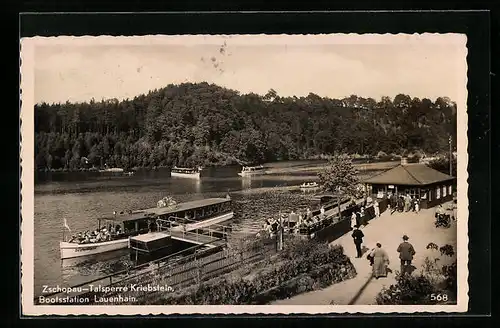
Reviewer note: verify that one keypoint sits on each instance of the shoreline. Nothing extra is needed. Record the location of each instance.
(377, 165)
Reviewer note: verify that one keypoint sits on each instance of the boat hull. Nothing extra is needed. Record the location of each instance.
(245, 174)
(186, 175)
(72, 250)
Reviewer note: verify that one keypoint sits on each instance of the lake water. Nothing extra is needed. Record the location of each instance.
(82, 197)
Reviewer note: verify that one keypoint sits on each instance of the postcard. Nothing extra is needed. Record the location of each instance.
(257, 174)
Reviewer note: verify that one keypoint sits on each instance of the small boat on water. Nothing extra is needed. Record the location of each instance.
(309, 185)
(113, 233)
(185, 172)
(251, 170)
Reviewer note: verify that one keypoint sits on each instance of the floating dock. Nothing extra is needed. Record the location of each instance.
(157, 244)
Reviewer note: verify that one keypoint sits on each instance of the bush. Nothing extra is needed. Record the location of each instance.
(417, 289)
(408, 290)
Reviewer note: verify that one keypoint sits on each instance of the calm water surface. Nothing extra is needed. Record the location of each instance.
(83, 197)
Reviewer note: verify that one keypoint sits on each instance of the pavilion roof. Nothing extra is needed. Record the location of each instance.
(409, 174)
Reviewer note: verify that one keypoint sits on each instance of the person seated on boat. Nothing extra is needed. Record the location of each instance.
(308, 213)
(73, 238)
(118, 229)
(85, 240)
(322, 210)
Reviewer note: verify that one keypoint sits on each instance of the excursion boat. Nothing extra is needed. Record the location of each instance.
(251, 170)
(309, 185)
(113, 232)
(112, 170)
(186, 172)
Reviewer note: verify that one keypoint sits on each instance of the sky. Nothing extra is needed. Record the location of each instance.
(336, 66)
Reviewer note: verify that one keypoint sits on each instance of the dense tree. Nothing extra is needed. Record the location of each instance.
(204, 124)
(340, 176)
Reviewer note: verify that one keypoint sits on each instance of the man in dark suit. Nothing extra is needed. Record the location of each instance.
(406, 253)
(358, 235)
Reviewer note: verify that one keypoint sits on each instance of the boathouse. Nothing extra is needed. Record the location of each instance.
(414, 179)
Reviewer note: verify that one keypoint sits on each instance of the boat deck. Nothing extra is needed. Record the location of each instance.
(150, 236)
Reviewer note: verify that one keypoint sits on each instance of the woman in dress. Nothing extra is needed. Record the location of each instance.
(380, 261)
(354, 220)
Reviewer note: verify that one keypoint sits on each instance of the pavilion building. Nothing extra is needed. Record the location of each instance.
(414, 179)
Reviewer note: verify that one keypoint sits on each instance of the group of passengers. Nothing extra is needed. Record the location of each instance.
(295, 221)
(96, 236)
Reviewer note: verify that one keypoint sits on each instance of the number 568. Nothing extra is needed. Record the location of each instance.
(439, 297)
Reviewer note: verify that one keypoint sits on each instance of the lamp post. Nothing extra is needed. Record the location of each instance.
(451, 156)
(280, 232)
(338, 202)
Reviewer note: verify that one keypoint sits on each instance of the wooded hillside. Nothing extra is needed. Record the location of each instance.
(192, 124)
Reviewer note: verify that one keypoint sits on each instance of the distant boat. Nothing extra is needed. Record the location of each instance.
(251, 170)
(113, 169)
(309, 185)
(184, 172)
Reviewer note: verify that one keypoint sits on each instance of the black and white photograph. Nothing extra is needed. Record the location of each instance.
(244, 174)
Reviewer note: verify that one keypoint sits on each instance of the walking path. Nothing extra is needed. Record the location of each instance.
(387, 230)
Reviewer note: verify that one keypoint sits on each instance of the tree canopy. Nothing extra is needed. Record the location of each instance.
(340, 176)
(204, 124)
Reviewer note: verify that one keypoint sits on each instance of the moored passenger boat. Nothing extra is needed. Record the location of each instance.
(113, 233)
(186, 172)
(251, 170)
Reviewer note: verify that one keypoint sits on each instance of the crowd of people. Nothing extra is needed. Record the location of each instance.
(404, 203)
(96, 236)
(295, 222)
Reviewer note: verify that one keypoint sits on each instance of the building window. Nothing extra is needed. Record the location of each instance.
(438, 192)
(423, 194)
(430, 194)
(444, 191)
(450, 190)
(412, 192)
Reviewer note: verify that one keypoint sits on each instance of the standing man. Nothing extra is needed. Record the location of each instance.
(394, 204)
(358, 235)
(406, 253)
